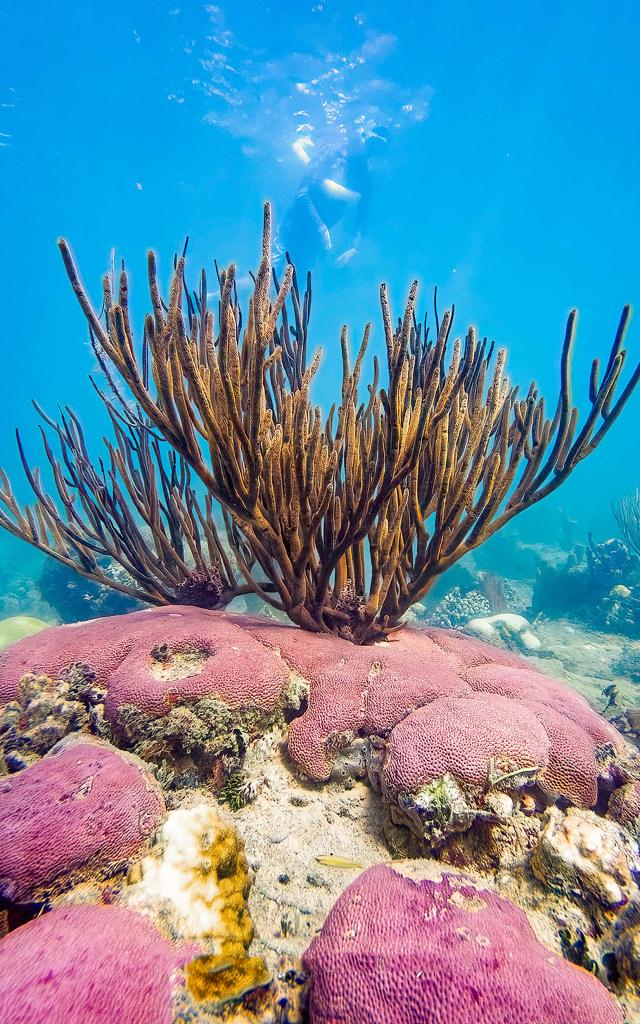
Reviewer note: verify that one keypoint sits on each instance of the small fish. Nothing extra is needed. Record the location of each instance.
(331, 861)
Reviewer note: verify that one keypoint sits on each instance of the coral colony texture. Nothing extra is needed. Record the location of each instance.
(398, 951)
(207, 815)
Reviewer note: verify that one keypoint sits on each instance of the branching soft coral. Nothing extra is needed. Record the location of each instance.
(347, 520)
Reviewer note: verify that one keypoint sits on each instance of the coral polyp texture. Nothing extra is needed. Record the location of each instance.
(85, 809)
(155, 659)
(624, 807)
(445, 707)
(398, 951)
(101, 964)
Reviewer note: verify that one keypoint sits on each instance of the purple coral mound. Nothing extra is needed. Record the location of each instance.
(103, 965)
(398, 951)
(87, 807)
(427, 686)
(155, 659)
(368, 690)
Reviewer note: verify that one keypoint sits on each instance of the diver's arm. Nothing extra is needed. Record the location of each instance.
(357, 219)
(338, 191)
(348, 254)
(359, 227)
(323, 230)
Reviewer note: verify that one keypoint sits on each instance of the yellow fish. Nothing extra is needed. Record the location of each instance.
(331, 861)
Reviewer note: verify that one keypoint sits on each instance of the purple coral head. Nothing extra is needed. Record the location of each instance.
(106, 965)
(84, 808)
(398, 951)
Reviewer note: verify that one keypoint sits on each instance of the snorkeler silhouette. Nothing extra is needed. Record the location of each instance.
(328, 218)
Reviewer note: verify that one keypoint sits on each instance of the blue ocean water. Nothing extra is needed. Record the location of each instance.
(489, 150)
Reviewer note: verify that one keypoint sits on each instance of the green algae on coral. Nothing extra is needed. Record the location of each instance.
(196, 741)
(238, 791)
(16, 627)
(437, 810)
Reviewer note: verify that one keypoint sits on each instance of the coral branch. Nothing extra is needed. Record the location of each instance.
(140, 511)
(349, 519)
(627, 516)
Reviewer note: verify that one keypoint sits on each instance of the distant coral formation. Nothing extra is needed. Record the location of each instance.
(627, 514)
(18, 626)
(341, 523)
(598, 584)
(74, 597)
(456, 609)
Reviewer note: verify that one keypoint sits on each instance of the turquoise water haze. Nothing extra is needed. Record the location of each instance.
(504, 170)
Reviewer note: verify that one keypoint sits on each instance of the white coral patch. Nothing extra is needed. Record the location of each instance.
(185, 875)
(585, 853)
(490, 627)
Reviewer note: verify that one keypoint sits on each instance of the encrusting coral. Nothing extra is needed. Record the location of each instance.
(587, 857)
(45, 711)
(624, 807)
(199, 883)
(349, 521)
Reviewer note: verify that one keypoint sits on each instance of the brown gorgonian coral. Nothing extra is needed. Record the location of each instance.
(342, 522)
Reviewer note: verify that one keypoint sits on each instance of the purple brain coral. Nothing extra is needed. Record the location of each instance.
(103, 965)
(85, 808)
(154, 659)
(398, 951)
(370, 690)
(419, 687)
